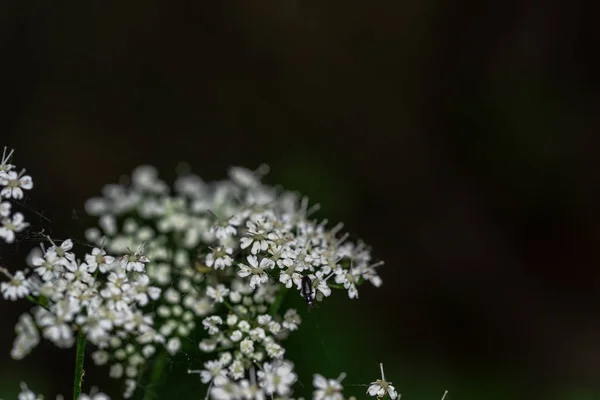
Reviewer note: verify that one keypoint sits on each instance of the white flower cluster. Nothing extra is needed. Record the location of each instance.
(226, 252)
(12, 185)
(28, 394)
(101, 297)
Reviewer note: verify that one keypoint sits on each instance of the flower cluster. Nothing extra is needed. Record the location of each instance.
(12, 185)
(101, 297)
(226, 252)
(211, 261)
(28, 394)
(271, 381)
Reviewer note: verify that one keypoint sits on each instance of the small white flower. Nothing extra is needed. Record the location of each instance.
(14, 184)
(223, 230)
(274, 350)
(219, 258)
(95, 396)
(17, 288)
(134, 261)
(27, 394)
(244, 177)
(257, 236)
(5, 209)
(291, 319)
(213, 371)
(211, 324)
(247, 346)
(277, 378)
(54, 328)
(236, 336)
(173, 345)
(348, 279)
(49, 266)
(236, 370)
(327, 389)
(13, 225)
(380, 387)
(256, 271)
(99, 259)
(62, 252)
(218, 293)
(27, 338)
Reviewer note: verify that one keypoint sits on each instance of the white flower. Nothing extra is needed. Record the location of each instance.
(227, 390)
(247, 346)
(348, 279)
(96, 326)
(5, 209)
(236, 370)
(78, 272)
(290, 276)
(54, 328)
(257, 271)
(291, 319)
(218, 294)
(27, 338)
(14, 184)
(96, 396)
(211, 324)
(257, 236)
(144, 292)
(134, 261)
(99, 259)
(277, 378)
(223, 230)
(27, 394)
(319, 282)
(62, 252)
(274, 350)
(17, 288)
(219, 258)
(327, 389)
(11, 226)
(173, 345)
(380, 387)
(213, 371)
(49, 266)
(244, 177)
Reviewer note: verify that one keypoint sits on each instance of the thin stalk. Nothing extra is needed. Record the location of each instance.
(156, 374)
(79, 357)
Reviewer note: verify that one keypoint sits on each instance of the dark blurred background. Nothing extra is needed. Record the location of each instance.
(456, 138)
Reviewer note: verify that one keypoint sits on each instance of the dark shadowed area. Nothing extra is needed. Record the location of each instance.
(458, 139)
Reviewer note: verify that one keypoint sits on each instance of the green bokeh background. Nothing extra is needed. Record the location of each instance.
(458, 139)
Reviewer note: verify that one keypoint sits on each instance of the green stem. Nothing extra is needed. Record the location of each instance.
(78, 379)
(277, 303)
(155, 375)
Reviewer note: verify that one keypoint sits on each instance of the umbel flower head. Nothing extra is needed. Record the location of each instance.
(222, 253)
(206, 264)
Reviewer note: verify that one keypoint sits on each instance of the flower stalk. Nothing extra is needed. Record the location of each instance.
(79, 358)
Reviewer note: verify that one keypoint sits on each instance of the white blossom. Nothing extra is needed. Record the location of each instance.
(18, 287)
(327, 389)
(277, 378)
(14, 184)
(381, 387)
